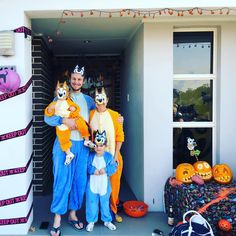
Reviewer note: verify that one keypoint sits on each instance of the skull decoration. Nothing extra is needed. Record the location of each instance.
(222, 173)
(185, 172)
(203, 170)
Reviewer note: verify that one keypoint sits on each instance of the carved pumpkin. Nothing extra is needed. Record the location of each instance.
(203, 170)
(222, 173)
(184, 172)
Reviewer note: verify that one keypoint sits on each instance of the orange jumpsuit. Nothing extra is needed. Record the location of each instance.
(118, 136)
(62, 131)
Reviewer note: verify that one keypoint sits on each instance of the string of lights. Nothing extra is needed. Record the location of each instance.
(145, 14)
(150, 13)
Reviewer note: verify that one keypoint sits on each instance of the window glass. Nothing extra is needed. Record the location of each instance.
(193, 52)
(203, 139)
(192, 100)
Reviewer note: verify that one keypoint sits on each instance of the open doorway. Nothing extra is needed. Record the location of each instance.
(51, 58)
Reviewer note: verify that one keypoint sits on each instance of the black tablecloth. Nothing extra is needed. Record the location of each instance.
(193, 196)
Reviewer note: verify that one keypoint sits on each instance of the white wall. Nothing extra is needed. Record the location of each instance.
(132, 104)
(16, 114)
(158, 87)
(227, 101)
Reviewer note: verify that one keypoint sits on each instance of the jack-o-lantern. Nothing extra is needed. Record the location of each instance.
(203, 170)
(185, 172)
(222, 173)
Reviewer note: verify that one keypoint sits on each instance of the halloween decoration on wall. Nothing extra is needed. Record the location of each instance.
(203, 170)
(185, 172)
(9, 81)
(224, 225)
(222, 173)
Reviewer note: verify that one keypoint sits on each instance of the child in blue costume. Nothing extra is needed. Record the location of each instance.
(101, 165)
(70, 181)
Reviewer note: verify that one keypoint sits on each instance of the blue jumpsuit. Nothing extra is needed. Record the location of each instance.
(97, 194)
(70, 181)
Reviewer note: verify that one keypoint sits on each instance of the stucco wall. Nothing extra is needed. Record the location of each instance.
(16, 114)
(132, 110)
(158, 71)
(227, 96)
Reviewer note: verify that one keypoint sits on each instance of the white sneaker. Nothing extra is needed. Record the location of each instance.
(110, 226)
(90, 227)
(89, 144)
(69, 158)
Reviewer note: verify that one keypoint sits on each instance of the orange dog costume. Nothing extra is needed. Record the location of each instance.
(65, 108)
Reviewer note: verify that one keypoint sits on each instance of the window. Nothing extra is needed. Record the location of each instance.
(194, 79)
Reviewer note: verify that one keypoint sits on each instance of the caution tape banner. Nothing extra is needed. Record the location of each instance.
(19, 91)
(14, 200)
(15, 134)
(15, 171)
(18, 220)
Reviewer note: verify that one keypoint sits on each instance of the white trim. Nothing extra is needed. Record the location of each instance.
(193, 29)
(193, 124)
(194, 76)
(212, 77)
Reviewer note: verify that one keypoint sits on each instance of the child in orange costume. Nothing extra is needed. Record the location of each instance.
(65, 108)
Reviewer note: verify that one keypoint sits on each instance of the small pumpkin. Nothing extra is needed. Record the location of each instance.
(185, 172)
(222, 173)
(203, 170)
(224, 225)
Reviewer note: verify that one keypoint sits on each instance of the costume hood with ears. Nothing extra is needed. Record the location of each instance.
(100, 138)
(78, 70)
(62, 91)
(100, 97)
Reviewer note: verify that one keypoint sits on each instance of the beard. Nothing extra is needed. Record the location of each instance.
(76, 90)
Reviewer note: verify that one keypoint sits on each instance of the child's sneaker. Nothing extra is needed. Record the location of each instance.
(110, 226)
(89, 144)
(69, 158)
(118, 218)
(90, 227)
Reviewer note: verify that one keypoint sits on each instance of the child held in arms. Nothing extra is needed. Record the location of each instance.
(65, 108)
(101, 165)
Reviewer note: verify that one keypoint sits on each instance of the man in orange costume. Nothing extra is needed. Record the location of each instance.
(106, 119)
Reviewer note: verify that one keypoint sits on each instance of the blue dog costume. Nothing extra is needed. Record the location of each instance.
(70, 181)
(98, 186)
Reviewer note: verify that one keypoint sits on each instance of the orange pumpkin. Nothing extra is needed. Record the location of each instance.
(224, 225)
(203, 170)
(222, 173)
(185, 172)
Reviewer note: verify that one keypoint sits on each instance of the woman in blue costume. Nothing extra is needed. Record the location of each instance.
(70, 181)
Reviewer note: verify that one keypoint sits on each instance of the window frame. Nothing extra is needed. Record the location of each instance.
(213, 77)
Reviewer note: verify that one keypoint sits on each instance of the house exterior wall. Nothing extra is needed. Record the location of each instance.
(157, 129)
(16, 213)
(132, 110)
(227, 96)
(158, 87)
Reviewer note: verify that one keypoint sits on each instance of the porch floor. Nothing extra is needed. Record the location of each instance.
(130, 226)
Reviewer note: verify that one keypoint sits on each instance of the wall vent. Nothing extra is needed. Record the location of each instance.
(7, 43)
